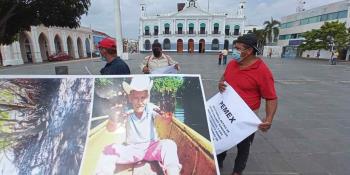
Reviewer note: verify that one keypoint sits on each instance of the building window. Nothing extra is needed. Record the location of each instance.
(156, 30)
(304, 21)
(215, 44)
(191, 28)
(227, 30)
(333, 16)
(147, 30)
(343, 14)
(202, 28)
(324, 17)
(216, 28)
(236, 30)
(179, 28)
(166, 44)
(167, 28)
(147, 45)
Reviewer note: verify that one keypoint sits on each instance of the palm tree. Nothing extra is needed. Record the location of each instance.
(261, 38)
(271, 28)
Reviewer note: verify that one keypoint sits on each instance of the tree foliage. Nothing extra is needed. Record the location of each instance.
(272, 30)
(18, 15)
(167, 84)
(261, 38)
(320, 38)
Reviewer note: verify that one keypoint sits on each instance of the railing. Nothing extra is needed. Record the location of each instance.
(216, 32)
(166, 33)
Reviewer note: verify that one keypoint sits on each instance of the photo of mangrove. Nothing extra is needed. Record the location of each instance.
(43, 124)
(146, 124)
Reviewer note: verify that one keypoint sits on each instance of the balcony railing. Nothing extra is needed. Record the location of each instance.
(216, 32)
(179, 32)
(167, 33)
(191, 32)
(203, 33)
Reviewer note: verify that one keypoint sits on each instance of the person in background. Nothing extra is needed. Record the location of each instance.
(224, 54)
(115, 65)
(157, 60)
(220, 57)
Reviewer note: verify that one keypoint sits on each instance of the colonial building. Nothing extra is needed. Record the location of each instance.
(36, 45)
(191, 28)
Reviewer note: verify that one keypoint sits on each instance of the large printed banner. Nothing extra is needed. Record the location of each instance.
(231, 120)
(104, 125)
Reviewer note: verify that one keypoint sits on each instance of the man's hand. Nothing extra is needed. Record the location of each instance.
(222, 86)
(265, 126)
(146, 70)
(177, 67)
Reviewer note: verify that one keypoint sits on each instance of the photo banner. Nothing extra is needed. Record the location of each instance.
(104, 124)
(230, 118)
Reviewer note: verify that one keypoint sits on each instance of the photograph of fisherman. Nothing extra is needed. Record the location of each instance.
(141, 141)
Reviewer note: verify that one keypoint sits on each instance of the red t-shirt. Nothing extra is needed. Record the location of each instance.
(251, 83)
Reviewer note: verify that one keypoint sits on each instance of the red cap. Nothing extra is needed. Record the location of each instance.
(107, 43)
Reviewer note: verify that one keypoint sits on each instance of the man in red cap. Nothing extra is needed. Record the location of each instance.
(115, 65)
(251, 78)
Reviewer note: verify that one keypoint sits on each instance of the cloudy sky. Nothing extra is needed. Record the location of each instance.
(101, 15)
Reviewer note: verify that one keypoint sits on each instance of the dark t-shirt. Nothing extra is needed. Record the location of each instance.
(116, 67)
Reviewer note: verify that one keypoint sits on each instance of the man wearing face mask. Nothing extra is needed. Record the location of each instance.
(250, 77)
(115, 65)
(157, 60)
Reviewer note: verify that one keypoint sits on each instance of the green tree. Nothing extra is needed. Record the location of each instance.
(272, 30)
(18, 15)
(320, 38)
(261, 38)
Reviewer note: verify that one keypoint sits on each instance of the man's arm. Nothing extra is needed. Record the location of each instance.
(271, 108)
(221, 84)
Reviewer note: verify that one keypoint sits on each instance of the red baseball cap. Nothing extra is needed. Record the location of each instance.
(107, 43)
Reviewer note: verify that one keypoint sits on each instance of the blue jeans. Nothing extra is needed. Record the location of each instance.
(225, 59)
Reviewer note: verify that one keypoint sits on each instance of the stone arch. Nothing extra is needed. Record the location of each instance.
(58, 44)
(201, 46)
(44, 46)
(215, 44)
(166, 44)
(80, 47)
(87, 47)
(70, 47)
(147, 44)
(27, 48)
(180, 46)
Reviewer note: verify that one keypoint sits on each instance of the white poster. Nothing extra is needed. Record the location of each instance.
(165, 70)
(231, 119)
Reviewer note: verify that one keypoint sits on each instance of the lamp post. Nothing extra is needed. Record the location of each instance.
(331, 45)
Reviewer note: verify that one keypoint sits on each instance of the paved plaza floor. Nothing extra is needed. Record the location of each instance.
(311, 131)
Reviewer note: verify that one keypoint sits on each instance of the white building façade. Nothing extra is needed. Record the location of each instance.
(191, 28)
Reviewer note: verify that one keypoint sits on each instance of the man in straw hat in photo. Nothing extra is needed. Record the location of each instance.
(141, 142)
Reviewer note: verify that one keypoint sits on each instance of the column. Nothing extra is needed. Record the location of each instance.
(119, 36)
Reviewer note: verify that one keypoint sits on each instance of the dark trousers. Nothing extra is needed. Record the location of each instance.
(225, 59)
(220, 61)
(242, 155)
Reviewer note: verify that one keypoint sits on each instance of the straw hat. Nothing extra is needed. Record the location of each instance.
(138, 83)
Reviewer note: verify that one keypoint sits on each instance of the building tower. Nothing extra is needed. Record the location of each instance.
(192, 3)
(241, 8)
(143, 8)
(301, 6)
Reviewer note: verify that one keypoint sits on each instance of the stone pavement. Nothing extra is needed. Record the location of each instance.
(311, 131)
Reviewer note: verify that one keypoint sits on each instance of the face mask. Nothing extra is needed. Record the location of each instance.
(157, 52)
(103, 58)
(236, 55)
